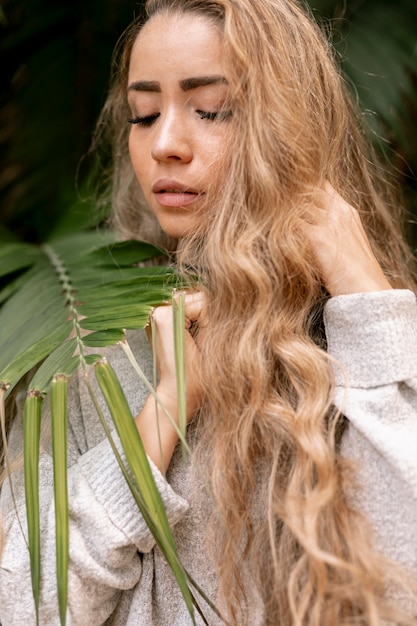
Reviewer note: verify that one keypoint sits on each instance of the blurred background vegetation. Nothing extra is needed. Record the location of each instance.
(54, 64)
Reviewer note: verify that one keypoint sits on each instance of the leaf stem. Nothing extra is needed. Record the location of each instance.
(68, 289)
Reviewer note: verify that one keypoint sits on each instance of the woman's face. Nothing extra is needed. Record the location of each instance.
(178, 94)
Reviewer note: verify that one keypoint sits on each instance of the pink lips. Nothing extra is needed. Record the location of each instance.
(172, 193)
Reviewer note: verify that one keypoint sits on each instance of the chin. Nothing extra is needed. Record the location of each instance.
(177, 227)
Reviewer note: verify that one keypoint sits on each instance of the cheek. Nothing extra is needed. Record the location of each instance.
(137, 158)
(216, 153)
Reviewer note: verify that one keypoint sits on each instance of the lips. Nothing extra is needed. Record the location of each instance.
(167, 185)
(172, 193)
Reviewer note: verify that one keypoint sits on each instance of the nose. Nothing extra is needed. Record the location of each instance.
(172, 141)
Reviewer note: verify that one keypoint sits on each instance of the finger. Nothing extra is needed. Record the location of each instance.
(194, 308)
(324, 199)
(194, 312)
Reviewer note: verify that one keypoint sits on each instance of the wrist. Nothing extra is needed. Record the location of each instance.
(159, 435)
(168, 395)
(359, 282)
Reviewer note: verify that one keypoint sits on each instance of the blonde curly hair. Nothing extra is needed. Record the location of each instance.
(268, 432)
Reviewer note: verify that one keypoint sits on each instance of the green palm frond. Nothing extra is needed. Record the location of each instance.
(149, 500)
(63, 297)
(69, 286)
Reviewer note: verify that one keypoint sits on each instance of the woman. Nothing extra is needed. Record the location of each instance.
(232, 129)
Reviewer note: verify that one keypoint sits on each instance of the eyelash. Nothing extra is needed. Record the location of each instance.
(145, 121)
(148, 120)
(214, 115)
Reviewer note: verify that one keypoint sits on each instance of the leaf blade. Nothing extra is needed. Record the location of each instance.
(59, 410)
(31, 441)
(139, 465)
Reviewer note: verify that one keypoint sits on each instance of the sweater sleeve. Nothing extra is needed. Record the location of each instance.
(107, 533)
(373, 339)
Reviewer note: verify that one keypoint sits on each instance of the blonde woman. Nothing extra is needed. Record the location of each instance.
(236, 147)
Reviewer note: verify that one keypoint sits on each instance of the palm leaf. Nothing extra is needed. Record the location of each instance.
(179, 340)
(48, 300)
(59, 408)
(60, 360)
(150, 502)
(31, 356)
(67, 288)
(103, 338)
(32, 428)
(15, 256)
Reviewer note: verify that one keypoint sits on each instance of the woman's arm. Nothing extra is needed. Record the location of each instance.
(373, 337)
(371, 332)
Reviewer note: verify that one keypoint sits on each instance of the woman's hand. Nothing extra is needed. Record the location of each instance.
(340, 246)
(158, 435)
(165, 352)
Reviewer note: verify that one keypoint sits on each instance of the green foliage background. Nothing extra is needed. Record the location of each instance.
(54, 62)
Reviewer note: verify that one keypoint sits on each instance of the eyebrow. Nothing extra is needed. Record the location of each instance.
(186, 85)
(201, 81)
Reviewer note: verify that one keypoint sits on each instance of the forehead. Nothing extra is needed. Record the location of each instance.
(179, 45)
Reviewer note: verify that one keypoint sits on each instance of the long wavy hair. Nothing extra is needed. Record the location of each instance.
(268, 432)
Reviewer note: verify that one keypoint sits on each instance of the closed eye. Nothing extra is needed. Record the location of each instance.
(146, 120)
(214, 115)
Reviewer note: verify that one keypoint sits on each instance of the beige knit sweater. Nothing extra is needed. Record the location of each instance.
(117, 576)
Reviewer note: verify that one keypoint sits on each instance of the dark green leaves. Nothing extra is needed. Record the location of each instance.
(377, 46)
